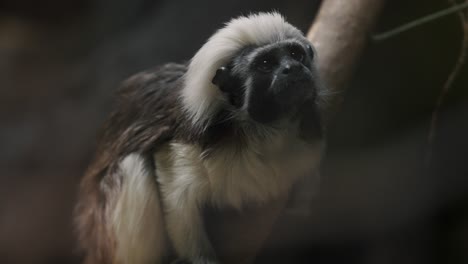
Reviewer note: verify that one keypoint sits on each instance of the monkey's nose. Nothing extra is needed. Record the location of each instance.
(290, 68)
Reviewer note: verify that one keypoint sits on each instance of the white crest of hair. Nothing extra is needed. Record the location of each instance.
(137, 219)
(201, 98)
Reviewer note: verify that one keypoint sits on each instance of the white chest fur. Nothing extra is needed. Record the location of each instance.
(233, 176)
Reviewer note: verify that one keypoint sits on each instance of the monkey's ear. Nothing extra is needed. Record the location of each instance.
(229, 84)
(221, 76)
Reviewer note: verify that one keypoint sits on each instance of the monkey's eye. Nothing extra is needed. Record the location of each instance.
(297, 53)
(265, 65)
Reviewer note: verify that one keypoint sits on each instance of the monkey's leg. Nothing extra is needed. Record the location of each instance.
(136, 218)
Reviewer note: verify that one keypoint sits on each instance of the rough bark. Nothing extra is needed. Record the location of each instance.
(339, 33)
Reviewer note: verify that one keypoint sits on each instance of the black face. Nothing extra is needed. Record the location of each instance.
(270, 82)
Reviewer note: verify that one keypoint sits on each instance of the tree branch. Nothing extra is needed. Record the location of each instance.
(340, 33)
(449, 82)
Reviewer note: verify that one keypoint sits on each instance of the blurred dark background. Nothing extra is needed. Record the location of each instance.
(379, 201)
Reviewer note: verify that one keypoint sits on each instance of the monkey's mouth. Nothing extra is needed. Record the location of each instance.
(284, 104)
(295, 92)
(283, 98)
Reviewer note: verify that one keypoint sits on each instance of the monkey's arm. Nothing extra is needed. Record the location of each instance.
(184, 195)
(186, 229)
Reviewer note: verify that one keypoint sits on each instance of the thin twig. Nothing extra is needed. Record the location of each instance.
(448, 83)
(420, 21)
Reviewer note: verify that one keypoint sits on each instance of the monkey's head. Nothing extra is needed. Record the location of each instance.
(260, 67)
(269, 82)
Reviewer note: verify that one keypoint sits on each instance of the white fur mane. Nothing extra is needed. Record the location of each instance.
(200, 97)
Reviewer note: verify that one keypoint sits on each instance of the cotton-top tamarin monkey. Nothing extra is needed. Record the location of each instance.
(238, 125)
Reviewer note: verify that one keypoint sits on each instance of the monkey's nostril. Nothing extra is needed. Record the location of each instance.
(286, 69)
